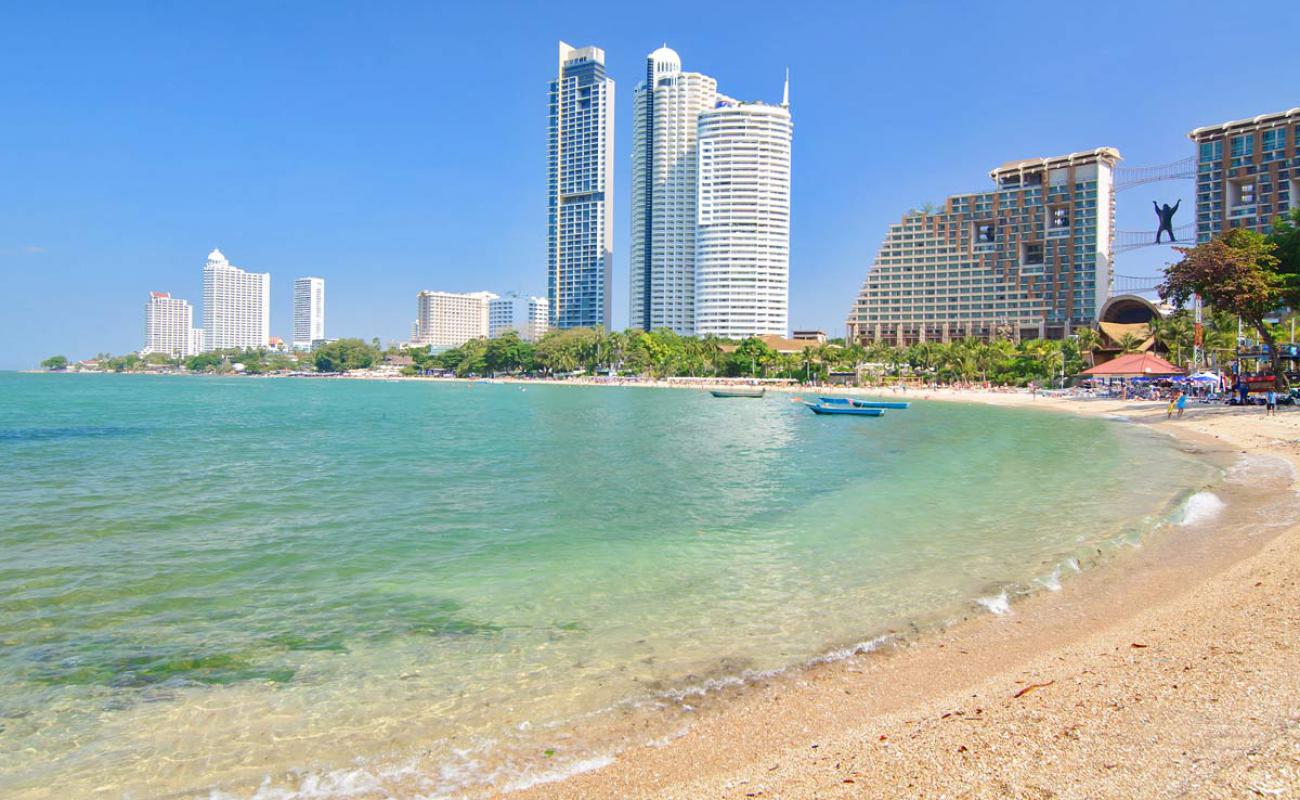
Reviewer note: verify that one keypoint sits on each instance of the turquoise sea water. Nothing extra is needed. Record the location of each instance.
(292, 588)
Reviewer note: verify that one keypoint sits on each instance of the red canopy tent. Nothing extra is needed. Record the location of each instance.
(1133, 365)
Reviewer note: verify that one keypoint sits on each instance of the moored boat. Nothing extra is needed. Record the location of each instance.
(844, 408)
(881, 403)
(739, 391)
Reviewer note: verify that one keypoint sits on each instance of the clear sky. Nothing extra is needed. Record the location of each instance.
(393, 147)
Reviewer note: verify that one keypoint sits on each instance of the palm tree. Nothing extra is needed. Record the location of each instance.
(1128, 343)
(1089, 340)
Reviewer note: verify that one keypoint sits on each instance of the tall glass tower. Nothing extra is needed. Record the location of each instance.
(580, 203)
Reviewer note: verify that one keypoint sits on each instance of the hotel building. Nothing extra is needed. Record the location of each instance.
(168, 326)
(526, 315)
(580, 202)
(1029, 258)
(1247, 173)
(308, 312)
(742, 236)
(445, 319)
(236, 305)
(665, 187)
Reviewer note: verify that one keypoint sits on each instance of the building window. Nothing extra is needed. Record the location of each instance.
(1274, 144)
(1031, 254)
(1243, 146)
(1211, 152)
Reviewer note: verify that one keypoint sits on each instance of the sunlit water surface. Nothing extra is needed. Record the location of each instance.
(292, 588)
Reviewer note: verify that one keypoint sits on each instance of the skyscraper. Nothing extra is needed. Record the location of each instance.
(1248, 173)
(666, 112)
(742, 238)
(308, 312)
(1028, 258)
(168, 326)
(236, 305)
(580, 205)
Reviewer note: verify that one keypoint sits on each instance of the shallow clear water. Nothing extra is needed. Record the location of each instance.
(320, 587)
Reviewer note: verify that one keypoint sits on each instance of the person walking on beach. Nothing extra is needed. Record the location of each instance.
(1270, 403)
(1173, 401)
(1181, 403)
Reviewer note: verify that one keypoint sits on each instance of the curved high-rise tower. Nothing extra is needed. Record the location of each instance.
(742, 238)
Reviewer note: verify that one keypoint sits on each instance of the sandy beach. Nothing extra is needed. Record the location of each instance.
(1171, 671)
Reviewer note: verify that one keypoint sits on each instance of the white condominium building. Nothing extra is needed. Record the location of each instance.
(526, 315)
(445, 319)
(666, 114)
(308, 312)
(742, 242)
(168, 326)
(236, 305)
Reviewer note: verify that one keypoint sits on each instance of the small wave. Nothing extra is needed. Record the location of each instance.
(1051, 582)
(861, 648)
(1200, 507)
(567, 771)
(1000, 605)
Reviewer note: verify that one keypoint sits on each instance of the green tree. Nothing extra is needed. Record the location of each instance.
(55, 363)
(1235, 272)
(344, 355)
(1130, 343)
(1088, 341)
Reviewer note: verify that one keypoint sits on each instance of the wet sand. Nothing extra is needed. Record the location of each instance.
(1169, 672)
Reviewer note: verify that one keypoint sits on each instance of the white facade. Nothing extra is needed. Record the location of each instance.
(742, 241)
(308, 312)
(665, 184)
(196, 340)
(168, 324)
(526, 315)
(445, 319)
(236, 305)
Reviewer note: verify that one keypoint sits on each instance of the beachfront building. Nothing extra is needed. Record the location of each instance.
(197, 340)
(168, 326)
(446, 319)
(580, 201)
(308, 312)
(1029, 258)
(1247, 173)
(526, 315)
(236, 305)
(666, 110)
(742, 237)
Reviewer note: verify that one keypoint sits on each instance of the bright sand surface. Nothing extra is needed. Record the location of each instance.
(1172, 671)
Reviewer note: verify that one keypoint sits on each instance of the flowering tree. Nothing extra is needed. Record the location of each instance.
(1236, 272)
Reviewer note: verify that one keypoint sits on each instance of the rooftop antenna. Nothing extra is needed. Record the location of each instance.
(785, 96)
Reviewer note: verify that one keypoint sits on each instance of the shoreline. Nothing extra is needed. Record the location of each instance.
(1110, 686)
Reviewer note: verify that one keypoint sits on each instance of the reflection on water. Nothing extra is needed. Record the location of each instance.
(412, 588)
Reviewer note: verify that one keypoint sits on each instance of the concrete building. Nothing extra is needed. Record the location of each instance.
(1248, 173)
(236, 305)
(666, 111)
(742, 238)
(197, 340)
(308, 312)
(580, 201)
(445, 319)
(168, 325)
(1028, 258)
(526, 315)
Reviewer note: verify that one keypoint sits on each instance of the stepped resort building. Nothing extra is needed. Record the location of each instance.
(1028, 258)
(446, 319)
(580, 202)
(1247, 173)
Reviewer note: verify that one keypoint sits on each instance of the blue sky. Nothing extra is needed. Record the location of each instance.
(396, 147)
